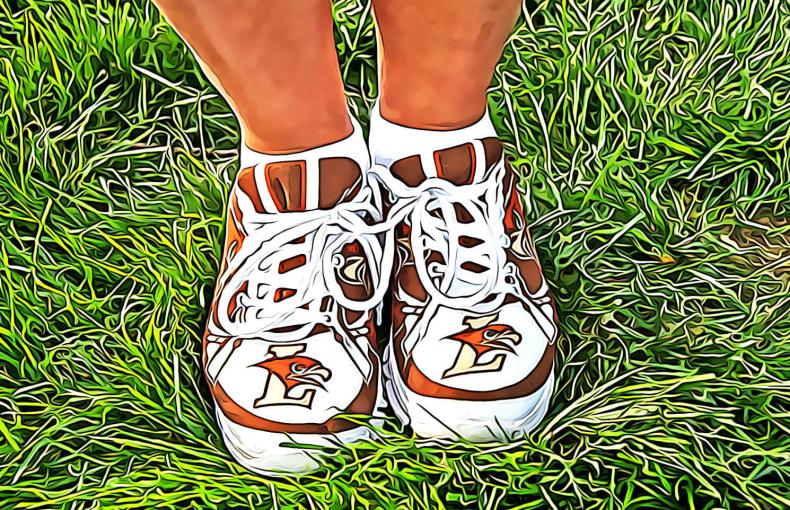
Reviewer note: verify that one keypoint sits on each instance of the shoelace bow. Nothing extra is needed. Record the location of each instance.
(270, 241)
(450, 283)
(475, 278)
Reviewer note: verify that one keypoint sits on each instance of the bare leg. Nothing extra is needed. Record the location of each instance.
(275, 61)
(437, 58)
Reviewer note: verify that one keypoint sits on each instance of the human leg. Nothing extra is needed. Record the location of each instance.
(472, 346)
(289, 343)
(275, 62)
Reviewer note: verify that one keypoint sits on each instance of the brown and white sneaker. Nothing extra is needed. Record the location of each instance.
(473, 324)
(290, 340)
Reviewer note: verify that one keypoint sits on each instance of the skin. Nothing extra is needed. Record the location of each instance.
(437, 58)
(276, 63)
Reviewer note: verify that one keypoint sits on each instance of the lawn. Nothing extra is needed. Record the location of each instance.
(653, 136)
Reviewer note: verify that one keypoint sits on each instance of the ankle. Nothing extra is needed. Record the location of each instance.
(423, 111)
(294, 135)
(390, 141)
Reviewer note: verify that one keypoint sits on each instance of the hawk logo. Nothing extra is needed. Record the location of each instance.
(293, 379)
(481, 336)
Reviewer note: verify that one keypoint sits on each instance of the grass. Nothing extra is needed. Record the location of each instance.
(653, 135)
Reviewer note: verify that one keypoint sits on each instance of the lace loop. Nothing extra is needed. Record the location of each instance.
(274, 239)
(467, 277)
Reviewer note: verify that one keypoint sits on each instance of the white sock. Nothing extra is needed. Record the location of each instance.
(390, 142)
(307, 165)
(353, 146)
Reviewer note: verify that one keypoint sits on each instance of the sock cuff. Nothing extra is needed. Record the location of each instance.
(317, 178)
(353, 146)
(390, 141)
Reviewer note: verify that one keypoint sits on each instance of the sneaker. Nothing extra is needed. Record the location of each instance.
(290, 340)
(473, 325)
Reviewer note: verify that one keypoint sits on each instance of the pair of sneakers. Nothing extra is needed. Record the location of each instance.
(314, 244)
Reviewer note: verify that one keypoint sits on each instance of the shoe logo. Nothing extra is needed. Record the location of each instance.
(481, 336)
(353, 271)
(293, 379)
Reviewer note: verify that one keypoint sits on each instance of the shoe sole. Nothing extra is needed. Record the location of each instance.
(283, 454)
(474, 421)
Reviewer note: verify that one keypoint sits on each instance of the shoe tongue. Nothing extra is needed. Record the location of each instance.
(458, 164)
(290, 188)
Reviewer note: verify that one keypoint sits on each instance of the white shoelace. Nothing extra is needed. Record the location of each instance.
(474, 278)
(451, 283)
(269, 242)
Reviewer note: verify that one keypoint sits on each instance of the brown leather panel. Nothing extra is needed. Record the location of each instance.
(474, 267)
(353, 192)
(409, 171)
(512, 204)
(493, 148)
(462, 214)
(410, 282)
(281, 294)
(286, 181)
(435, 257)
(456, 164)
(318, 328)
(531, 272)
(246, 182)
(292, 263)
(405, 273)
(325, 302)
(469, 242)
(338, 178)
